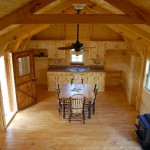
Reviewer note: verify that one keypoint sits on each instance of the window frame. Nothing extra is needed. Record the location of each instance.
(147, 76)
(76, 53)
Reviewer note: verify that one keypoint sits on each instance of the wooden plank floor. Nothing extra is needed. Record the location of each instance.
(40, 127)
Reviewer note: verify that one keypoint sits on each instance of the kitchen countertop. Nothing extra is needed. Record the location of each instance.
(75, 69)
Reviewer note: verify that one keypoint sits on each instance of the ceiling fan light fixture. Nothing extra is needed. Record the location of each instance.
(79, 6)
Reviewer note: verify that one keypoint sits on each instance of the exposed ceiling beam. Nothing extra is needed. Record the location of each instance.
(130, 31)
(26, 31)
(138, 31)
(127, 33)
(22, 32)
(23, 12)
(131, 10)
(25, 43)
(61, 7)
(3, 47)
(82, 18)
(16, 46)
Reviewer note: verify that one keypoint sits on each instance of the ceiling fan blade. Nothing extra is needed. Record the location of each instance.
(65, 48)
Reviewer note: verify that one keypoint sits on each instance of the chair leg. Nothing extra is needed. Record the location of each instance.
(70, 117)
(93, 108)
(83, 117)
(59, 110)
(89, 110)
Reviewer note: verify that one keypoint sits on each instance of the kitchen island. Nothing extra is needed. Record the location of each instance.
(64, 74)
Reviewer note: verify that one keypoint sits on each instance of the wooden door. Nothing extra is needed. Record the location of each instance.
(24, 74)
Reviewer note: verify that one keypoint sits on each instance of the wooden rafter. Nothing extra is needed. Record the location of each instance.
(3, 47)
(82, 18)
(16, 46)
(131, 10)
(61, 7)
(25, 43)
(138, 31)
(23, 12)
(26, 31)
(130, 31)
(22, 32)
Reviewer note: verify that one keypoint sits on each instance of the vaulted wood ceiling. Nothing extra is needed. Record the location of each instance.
(25, 18)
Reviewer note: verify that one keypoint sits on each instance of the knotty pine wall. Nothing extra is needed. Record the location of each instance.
(124, 66)
(134, 75)
(111, 55)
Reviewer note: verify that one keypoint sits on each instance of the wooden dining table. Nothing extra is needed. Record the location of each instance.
(68, 90)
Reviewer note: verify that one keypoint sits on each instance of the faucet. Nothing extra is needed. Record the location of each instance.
(78, 67)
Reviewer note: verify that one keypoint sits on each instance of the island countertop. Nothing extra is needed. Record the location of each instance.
(53, 68)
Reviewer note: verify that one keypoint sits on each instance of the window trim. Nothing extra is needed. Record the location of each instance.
(147, 75)
(77, 59)
(76, 53)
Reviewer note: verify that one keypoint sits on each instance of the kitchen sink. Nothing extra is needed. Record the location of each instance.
(77, 69)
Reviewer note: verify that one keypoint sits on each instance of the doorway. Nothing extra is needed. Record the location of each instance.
(8, 95)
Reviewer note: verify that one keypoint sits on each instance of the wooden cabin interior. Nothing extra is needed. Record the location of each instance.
(116, 39)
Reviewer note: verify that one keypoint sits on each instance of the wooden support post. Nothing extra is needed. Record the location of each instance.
(2, 48)
(25, 43)
(2, 123)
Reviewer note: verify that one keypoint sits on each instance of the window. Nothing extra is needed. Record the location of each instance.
(147, 81)
(77, 58)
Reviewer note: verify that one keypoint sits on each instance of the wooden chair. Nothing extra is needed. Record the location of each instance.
(94, 100)
(76, 109)
(58, 99)
(63, 105)
(57, 89)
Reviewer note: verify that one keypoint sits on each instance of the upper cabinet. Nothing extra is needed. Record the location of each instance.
(97, 52)
(93, 49)
(97, 49)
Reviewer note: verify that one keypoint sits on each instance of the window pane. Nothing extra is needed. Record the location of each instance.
(148, 82)
(77, 58)
(24, 65)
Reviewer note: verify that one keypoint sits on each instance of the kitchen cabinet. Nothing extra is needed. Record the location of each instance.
(93, 50)
(53, 51)
(65, 77)
(97, 52)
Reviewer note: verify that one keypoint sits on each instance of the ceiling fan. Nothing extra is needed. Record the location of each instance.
(77, 46)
